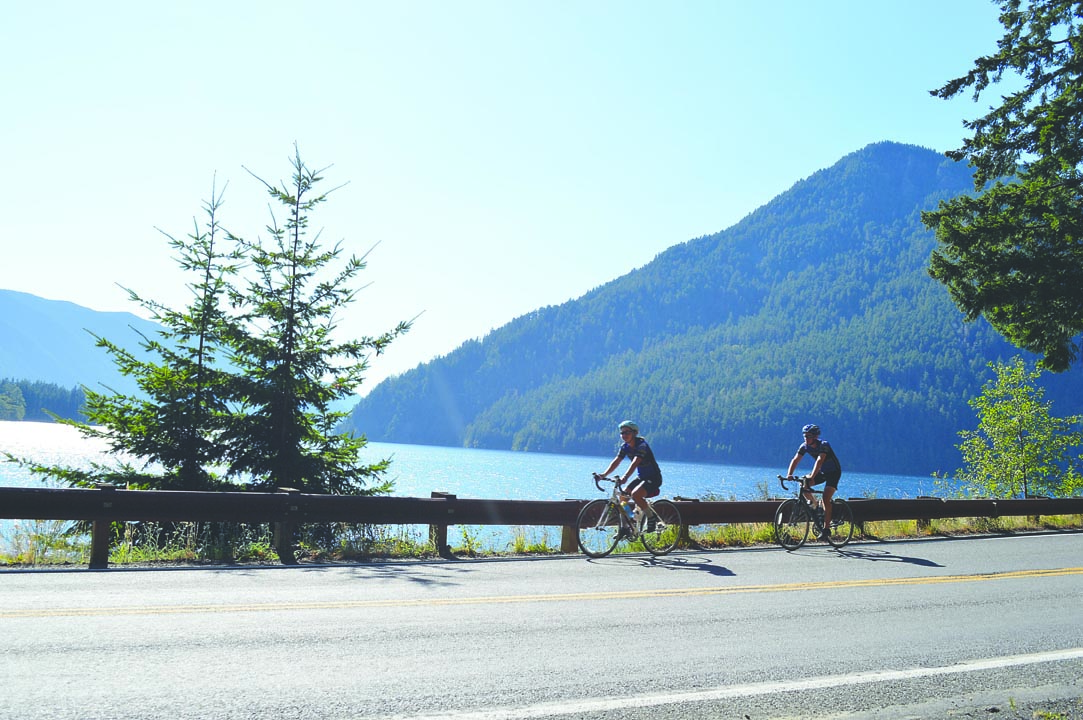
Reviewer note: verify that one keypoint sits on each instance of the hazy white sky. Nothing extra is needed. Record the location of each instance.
(498, 156)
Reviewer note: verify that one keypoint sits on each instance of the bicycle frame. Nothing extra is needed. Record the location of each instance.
(618, 498)
(794, 517)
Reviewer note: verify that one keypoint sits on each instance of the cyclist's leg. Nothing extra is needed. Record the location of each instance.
(648, 489)
(831, 485)
(829, 492)
(640, 489)
(639, 492)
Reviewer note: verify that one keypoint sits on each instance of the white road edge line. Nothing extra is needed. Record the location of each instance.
(767, 688)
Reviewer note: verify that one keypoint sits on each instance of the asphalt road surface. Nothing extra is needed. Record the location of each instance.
(977, 627)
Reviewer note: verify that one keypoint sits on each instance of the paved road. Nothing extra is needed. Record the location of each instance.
(932, 628)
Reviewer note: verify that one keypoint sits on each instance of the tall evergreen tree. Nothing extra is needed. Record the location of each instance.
(177, 420)
(1013, 253)
(289, 368)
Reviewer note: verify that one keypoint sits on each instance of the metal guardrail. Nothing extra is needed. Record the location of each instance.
(288, 508)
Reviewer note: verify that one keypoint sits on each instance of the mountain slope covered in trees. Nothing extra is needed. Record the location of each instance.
(34, 400)
(816, 307)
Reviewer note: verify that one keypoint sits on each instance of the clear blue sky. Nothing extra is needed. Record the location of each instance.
(498, 155)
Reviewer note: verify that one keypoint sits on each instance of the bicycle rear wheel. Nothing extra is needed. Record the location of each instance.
(599, 527)
(667, 528)
(792, 522)
(842, 523)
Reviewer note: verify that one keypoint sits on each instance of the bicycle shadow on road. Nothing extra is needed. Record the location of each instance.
(883, 556)
(669, 563)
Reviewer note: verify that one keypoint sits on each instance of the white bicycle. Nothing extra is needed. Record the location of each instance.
(604, 523)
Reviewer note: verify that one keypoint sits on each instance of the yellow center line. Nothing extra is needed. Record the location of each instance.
(556, 597)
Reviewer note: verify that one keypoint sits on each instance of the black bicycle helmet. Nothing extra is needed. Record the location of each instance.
(811, 429)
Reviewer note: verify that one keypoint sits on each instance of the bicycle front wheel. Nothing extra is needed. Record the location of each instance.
(599, 527)
(842, 523)
(664, 533)
(792, 524)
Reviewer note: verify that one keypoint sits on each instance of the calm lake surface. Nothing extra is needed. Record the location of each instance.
(418, 470)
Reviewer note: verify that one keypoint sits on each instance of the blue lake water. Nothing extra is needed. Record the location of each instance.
(418, 470)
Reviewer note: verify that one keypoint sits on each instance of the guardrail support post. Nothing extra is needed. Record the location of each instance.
(1035, 519)
(438, 533)
(101, 532)
(569, 539)
(924, 523)
(99, 544)
(684, 540)
(283, 529)
(569, 536)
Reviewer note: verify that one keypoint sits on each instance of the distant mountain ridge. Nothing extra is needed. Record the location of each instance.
(48, 340)
(815, 307)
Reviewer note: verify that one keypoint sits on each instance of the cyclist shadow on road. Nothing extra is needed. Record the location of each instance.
(883, 556)
(671, 563)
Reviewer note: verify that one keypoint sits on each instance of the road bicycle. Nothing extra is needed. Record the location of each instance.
(795, 517)
(604, 523)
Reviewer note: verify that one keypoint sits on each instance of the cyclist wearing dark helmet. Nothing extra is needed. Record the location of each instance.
(825, 470)
(648, 475)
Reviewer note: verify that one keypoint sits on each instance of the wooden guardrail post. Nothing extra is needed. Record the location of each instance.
(284, 528)
(101, 532)
(859, 523)
(438, 532)
(685, 540)
(569, 535)
(924, 522)
(1035, 519)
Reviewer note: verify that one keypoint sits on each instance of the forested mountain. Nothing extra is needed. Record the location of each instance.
(816, 307)
(50, 341)
(34, 400)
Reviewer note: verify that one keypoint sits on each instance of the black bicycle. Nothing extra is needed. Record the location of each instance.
(604, 523)
(795, 517)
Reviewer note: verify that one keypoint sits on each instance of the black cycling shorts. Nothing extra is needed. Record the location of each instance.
(653, 487)
(832, 479)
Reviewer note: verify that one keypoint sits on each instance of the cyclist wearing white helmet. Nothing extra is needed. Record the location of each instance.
(826, 469)
(648, 475)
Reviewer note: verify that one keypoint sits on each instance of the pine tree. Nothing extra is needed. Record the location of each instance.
(1012, 253)
(176, 421)
(289, 370)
